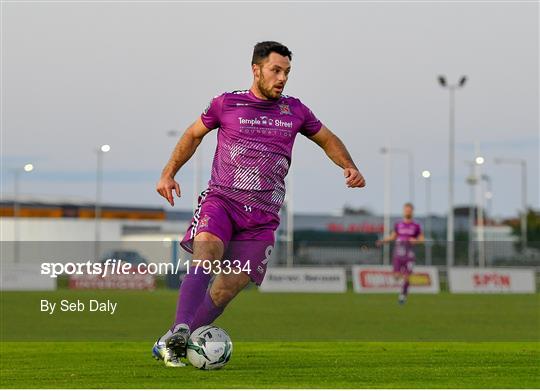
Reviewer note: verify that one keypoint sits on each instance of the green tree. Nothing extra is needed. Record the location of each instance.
(533, 227)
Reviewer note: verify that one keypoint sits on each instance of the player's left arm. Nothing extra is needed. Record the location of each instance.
(337, 152)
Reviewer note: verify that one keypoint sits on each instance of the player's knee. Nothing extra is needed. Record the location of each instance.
(207, 246)
(221, 296)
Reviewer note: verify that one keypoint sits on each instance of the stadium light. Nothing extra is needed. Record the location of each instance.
(451, 157)
(28, 167)
(479, 160)
(426, 174)
(523, 164)
(442, 81)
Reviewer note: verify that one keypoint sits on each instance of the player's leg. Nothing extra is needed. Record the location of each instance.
(406, 272)
(206, 238)
(404, 289)
(246, 259)
(396, 269)
(172, 345)
(224, 288)
(206, 246)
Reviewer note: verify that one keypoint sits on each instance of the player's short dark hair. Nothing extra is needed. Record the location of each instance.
(263, 49)
(409, 204)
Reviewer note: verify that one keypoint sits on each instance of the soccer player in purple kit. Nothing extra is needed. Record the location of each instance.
(407, 232)
(239, 211)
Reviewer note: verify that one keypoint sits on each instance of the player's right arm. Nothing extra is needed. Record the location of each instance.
(185, 148)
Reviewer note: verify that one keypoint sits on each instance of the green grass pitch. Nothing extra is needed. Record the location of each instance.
(280, 341)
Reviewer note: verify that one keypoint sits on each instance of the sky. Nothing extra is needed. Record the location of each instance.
(76, 75)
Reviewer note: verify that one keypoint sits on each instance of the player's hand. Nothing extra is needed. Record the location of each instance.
(353, 178)
(165, 188)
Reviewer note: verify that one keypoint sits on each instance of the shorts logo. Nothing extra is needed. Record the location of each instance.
(203, 222)
(285, 109)
(260, 269)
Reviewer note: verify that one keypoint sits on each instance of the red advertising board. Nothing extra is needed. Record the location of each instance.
(382, 279)
(135, 281)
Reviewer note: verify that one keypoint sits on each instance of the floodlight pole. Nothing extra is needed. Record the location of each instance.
(387, 202)
(524, 203)
(99, 190)
(480, 208)
(17, 209)
(16, 212)
(471, 181)
(451, 157)
(428, 235)
(523, 218)
(411, 177)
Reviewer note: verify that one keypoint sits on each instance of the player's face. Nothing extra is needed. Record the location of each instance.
(408, 212)
(271, 76)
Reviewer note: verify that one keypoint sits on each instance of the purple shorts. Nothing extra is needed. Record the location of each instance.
(403, 265)
(246, 232)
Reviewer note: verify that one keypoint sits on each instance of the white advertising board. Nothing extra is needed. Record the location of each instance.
(25, 277)
(491, 280)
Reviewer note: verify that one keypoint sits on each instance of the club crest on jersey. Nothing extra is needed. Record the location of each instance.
(284, 109)
(203, 222)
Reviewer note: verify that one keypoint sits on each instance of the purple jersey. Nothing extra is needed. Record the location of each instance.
(405, 231)
(254, 145)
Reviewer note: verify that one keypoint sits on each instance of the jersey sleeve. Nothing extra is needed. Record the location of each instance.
(211, 116)
(311, 124)
(418, 230)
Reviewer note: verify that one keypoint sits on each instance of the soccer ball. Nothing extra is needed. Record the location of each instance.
(209, 347)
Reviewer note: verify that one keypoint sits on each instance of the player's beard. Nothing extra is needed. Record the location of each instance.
(267, 92)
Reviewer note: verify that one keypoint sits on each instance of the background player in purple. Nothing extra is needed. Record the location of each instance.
(406, 234)
(239, 212)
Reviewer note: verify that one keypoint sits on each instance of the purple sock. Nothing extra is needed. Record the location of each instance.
(191, 296)
(405, 288)
(207, 312)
